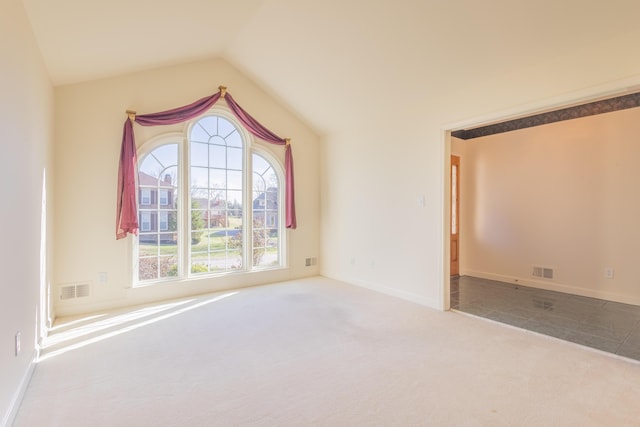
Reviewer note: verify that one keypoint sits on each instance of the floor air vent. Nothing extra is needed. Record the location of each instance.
(542, 272)
(78, 290)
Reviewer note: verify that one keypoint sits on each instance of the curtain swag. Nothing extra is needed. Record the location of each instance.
(127, 214)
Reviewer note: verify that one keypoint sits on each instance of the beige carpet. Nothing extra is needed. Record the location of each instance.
(320, 352)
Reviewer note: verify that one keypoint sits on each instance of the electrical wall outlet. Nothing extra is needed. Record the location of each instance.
(608, 273)
(103, 277)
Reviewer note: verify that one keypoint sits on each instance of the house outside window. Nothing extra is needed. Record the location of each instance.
(209, 223)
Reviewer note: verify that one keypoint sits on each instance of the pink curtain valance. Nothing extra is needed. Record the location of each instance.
(127, 213)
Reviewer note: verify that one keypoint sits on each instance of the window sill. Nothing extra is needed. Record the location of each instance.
(202, 277)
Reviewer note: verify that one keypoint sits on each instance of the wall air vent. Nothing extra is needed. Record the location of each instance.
(78, 290)
(542, 272)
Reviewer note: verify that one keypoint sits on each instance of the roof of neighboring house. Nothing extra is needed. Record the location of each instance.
(271, 197)
(151, 181)
(270, 194)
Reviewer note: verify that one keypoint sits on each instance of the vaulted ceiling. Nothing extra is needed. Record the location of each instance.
(333, 61)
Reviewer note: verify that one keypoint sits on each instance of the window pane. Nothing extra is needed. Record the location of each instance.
(199, 198)
(217, 198)
(217, 157)
(148, 268)
(199, 220)
(148, 244)
(218, 141)
(158, 203)
(172, 218)
(198, 133)
(199, 177)
(218, 178)
(199, 154)
(218, 261)
(271, 179)
(234, 218)
(234, 261)
(164, 197)
(145, 196)
(234, 199)
(149, 167)
(146, 221)
(258, 183)
(169, 247)
(216, 192)
(234, 158)
(168, 266)
(209, 124)
(260, 165)
(166, 155)
(199, 263)
(266, 231)
(234, 140)
(218, 218)
(225, 127)
(271, 218)
(234, 180)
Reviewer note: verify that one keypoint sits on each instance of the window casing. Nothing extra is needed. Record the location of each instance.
(209, 218)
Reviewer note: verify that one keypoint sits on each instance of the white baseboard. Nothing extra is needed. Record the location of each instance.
(12, 411)
(408, 296)
(553, 286)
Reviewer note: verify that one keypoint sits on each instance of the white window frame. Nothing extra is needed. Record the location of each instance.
(183, 231)
(279, 171)
(146, 148)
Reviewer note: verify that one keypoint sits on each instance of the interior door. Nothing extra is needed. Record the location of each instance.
(454, 255)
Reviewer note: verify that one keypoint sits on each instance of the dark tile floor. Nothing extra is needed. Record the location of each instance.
(609, 326)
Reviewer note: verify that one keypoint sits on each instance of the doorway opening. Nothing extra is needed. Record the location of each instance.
(607, 100)
(548, 304)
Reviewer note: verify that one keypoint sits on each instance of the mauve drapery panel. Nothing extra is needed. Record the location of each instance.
(127, 212)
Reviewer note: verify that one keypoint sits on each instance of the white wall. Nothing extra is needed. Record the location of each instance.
(26, 119)
(392, 149)
(375, 233)
(89, 119)
(564, 196)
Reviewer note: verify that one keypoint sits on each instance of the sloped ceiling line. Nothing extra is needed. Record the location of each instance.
(590, 109)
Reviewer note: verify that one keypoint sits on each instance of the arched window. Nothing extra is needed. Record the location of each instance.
(226, 215)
